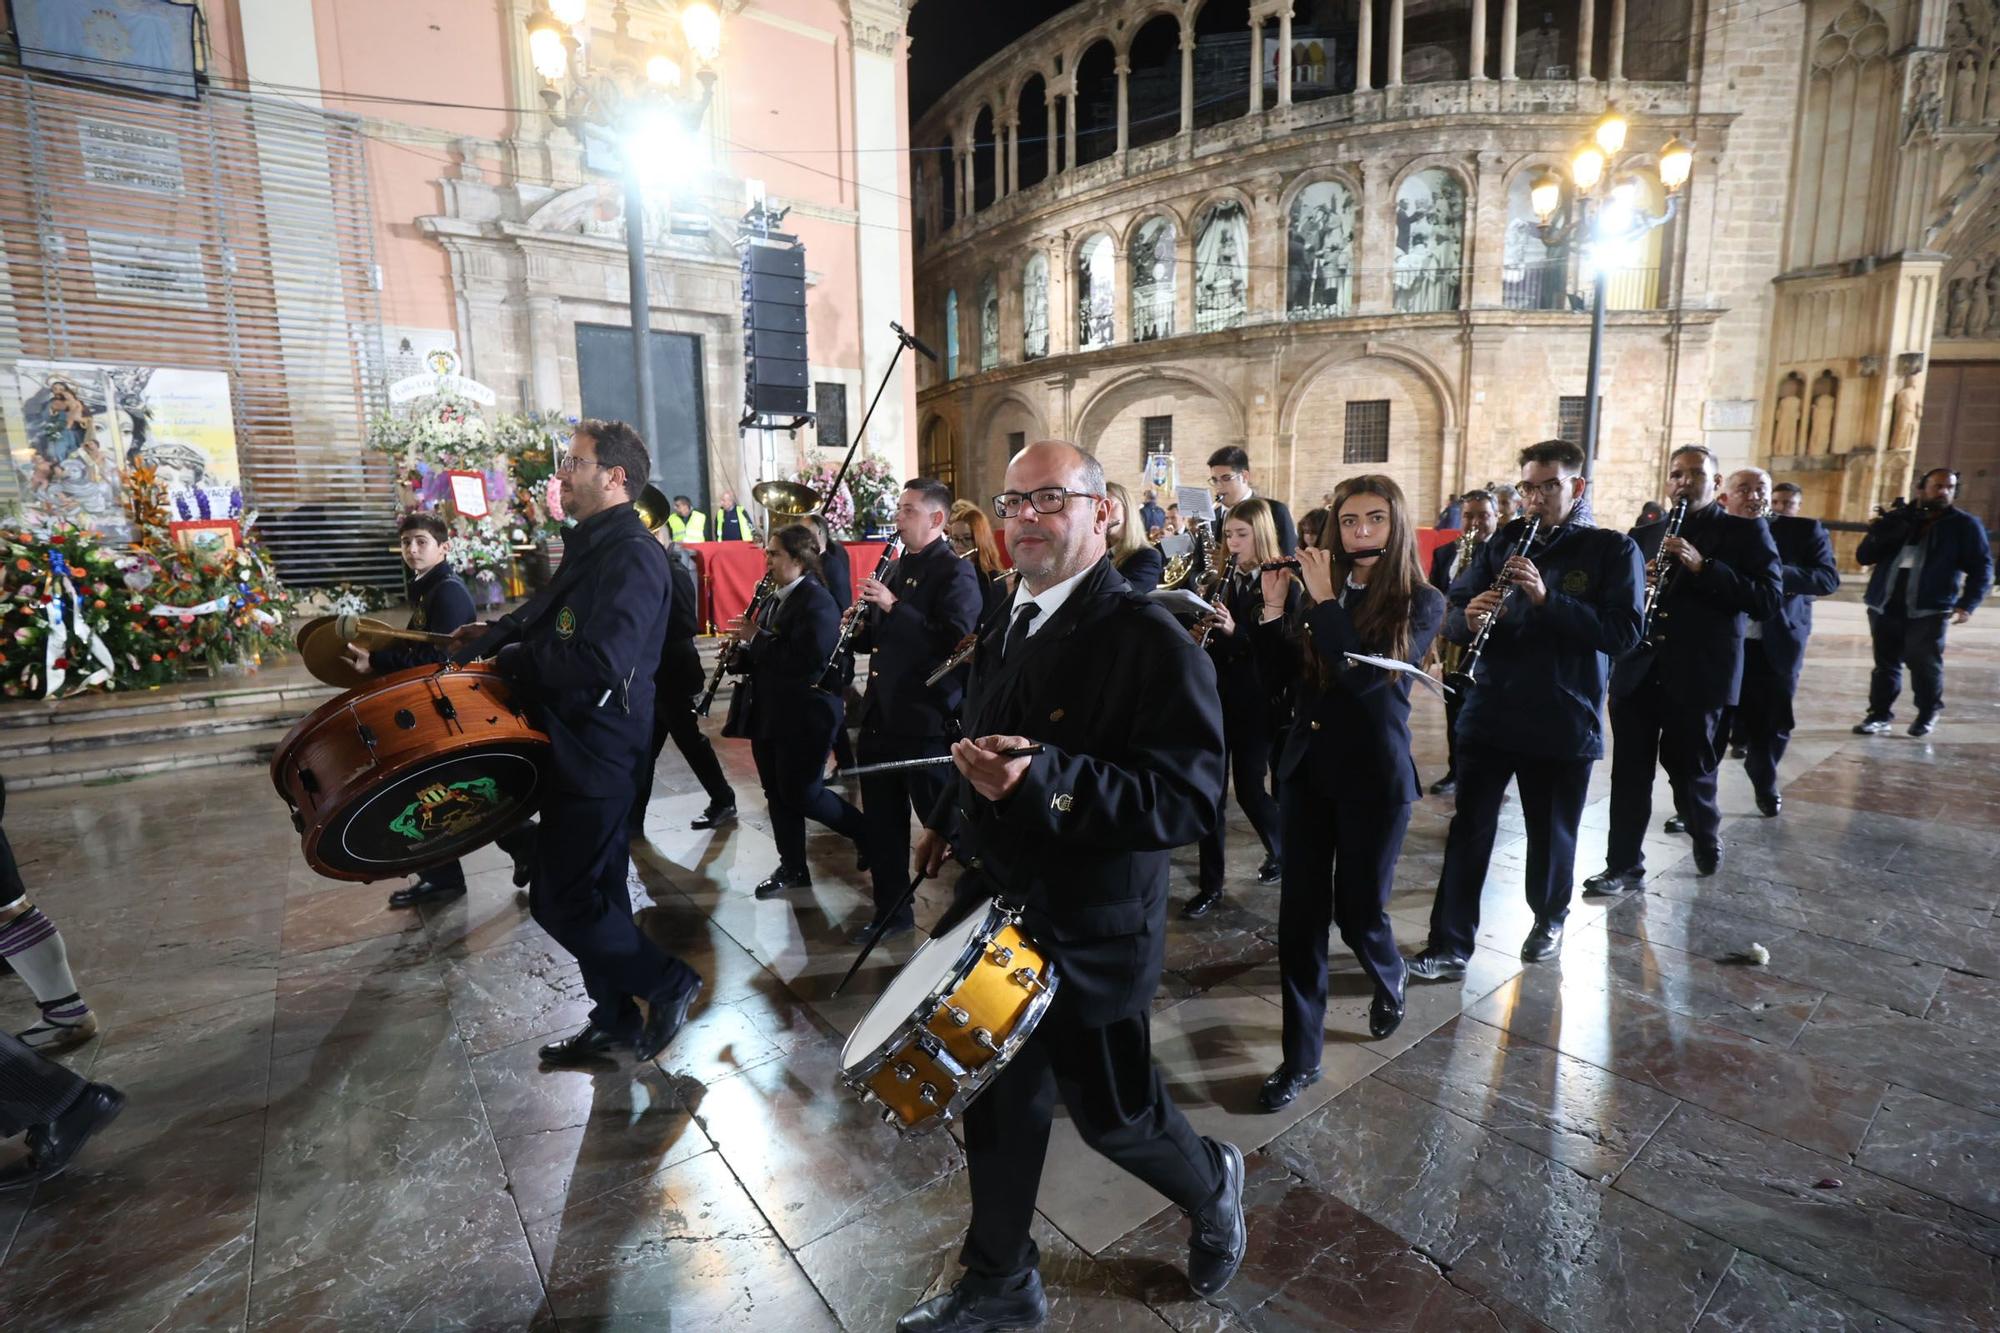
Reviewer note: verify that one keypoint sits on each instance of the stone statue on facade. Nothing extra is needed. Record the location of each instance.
(1965, 90)
(1826, 398)
(1958, 304)
(1992, 285)
(1790, 411)
(1980, 308)
(1906, 414)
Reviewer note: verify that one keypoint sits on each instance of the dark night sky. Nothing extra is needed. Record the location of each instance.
(949, 38)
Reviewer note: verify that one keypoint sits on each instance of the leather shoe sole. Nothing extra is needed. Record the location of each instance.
(715, 818)
(782, 881)
(1385, 1015)
(1614, 883)
(664, 1019)
(591, 1045)
(962, 1311)
(423, 891)
(1283, 1088)
(1210, 1269)
(1542, 945)
(1201, 904)
(1428, 966)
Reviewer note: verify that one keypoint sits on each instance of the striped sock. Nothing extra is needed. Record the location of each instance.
(33, 945)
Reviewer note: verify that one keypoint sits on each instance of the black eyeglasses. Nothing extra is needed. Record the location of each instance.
(1047, 500)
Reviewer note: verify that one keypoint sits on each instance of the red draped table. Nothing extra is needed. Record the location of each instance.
(729, 572)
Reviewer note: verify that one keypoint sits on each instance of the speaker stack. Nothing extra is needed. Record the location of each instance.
(776, 378)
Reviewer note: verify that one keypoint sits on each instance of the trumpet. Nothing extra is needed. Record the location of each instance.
(1659, 572)
(1460, 681)
(852, 620)
(725, 656)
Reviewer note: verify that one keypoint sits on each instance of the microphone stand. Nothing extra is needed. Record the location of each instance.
(903, 342)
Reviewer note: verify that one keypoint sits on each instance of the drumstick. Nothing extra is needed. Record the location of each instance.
(875, 933)
(898, 765)
(348, 627)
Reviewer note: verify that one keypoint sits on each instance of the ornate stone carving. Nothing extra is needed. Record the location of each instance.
(1907, 413)
(1789, 412)
(1825, 402)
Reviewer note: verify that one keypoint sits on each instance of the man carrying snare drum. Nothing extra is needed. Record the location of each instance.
(1124, 707)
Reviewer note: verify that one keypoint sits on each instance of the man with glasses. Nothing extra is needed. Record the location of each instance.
(1229, 478)
(583, 654)
(1124, 707)
(1532, 715)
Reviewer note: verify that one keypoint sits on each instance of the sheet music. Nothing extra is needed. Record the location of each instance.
(1180, 602)
(1391, 664)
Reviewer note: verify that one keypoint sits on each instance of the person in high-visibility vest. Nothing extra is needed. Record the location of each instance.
(732, 521)
(684, 525)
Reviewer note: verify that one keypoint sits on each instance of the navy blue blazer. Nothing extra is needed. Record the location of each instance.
(1958, 559)
(785, 662)
(839, 574)
(1142, 568)
(1805, 559)
(441, 603)
(1701, 618)
(1350, 739)
(680, 671)
(938, 601)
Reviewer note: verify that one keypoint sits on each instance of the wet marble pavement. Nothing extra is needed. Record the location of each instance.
(337, 1119)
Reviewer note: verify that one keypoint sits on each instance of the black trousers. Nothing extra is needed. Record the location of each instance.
(1247, 740)
(578, 896)
(1118, 1103)
(1763, 718)
(1649, 729)
(1339, 869)
(887, 799)
(1452, 703)
(1913, 641)
(518, 843)
(1552, 800)
(33, 1088)
(793, 774)
(674, 716)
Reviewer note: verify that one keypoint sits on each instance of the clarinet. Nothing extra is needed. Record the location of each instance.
(725, 656)
(1662, 569)
(852, 620)
(1204, 627)
(1460, 681)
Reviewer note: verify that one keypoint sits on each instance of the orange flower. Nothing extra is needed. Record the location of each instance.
(23, 565)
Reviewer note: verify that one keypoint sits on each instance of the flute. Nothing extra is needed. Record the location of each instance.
(1292, 561)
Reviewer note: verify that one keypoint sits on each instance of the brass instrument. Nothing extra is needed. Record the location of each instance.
(1659, 573)
(1460, 681)
(653, 507)
(786, 501)
(963, 650)
(851, 621)
(725, 656)
(1451, 656)
(1194, 562)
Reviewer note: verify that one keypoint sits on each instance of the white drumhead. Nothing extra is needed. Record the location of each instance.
(927, 967)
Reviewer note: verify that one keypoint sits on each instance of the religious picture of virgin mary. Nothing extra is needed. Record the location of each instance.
(71, 472)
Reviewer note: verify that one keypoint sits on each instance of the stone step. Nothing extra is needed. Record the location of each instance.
(72, 768)
(290, 689)
(105, 731)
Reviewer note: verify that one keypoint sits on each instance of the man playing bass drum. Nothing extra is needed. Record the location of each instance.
(1125, 707)
(1532, 713)
(1668, 695)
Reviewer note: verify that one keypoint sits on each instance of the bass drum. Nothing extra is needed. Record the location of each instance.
(410, 771)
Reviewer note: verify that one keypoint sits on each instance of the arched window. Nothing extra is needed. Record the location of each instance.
(1153, 280)
(1633, 268)
(937, 458)
(1430, 241)
(1031, 113)
(1319, 252)
(1096, 283)
(1096, 103)
(951, 334)
(1035, 307)
(1153, 88)
(1533, 276)
(989, 323)
(985, 160)
(1221, 267)
(1222, 61)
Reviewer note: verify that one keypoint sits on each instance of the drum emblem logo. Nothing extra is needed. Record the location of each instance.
(565, 623)
(445, 809)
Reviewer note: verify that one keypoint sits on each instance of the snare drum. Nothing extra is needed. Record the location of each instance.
(950, 1021)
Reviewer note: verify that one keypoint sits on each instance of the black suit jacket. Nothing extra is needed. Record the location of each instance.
(680, 672)
(839, 574)
(1699, 620)
(585, 660)
(1349, 739)
(1142, 569)
(1126, 705)
(1806, 563)
(442, 604)
(937, 604)
(1440, 573)
(785, 661)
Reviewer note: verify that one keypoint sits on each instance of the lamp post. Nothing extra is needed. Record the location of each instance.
(1609, 217)
(635, 91)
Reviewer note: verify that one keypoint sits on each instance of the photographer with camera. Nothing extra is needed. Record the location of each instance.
(1932, 565)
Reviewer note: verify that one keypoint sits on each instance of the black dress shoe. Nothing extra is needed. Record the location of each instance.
(524, 870)
(1271, 871)
(784, 877)
(1437, 965)
(1739, 752)
(716, 815)
(1219, 1236)
(589, 1045)
(1875, 724)
(1707, 856)
(963, 1311)
(1769, 806)
(423, 891)
(860, 934)
(1445, 785)
(1614, 883)
(1385, 1014)
(1284, 1086)
(1925, 724)
(1200, 905)
(52, 1146)
(666, 1014)
(1545, 941)
(1675, 824)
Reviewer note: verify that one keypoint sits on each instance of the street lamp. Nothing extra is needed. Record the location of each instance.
(635, 94)
(1608, 218)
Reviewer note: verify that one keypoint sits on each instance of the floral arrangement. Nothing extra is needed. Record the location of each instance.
(344, 599)
(876, 490)
(532, 442)
(442, 430)
(229, 608)
(105, 596)
(840, 513)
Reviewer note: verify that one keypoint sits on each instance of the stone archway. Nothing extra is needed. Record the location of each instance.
(1113, 424)
(1360, 390)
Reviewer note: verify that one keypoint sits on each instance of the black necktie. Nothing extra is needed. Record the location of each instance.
(1017, 633)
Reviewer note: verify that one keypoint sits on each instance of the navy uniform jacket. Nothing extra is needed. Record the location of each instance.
(785, 661)
(1349, 740)
(1539, 686)
(1142, 568)
(1955, 547)
(1251, 695)
(838, 574)
(585, 661)
(680, 672)
(1700, 621)
(1805, 561)
(442, 604)
(995, 591)
(937, 604)
(1440, 575)
(1126, 705)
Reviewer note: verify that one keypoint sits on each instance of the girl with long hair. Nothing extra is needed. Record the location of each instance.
(1137, 559)
(1254, 702)
(971, 535)
(1345, 778)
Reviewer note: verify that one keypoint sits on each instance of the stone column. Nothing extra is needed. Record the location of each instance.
(1478, 60)
(1510, 33)
(1069, 126)
(882, 249)
(1123, 69)
(1486, 231)
(1395, 79)
(1616, 72)
(1256, 64)
(1062, 313)
(1285, 57)
(1187, 81)
(1364, 47)
(1051, 149)
(544, 349)
(1013, 155)
(1377, 252)
(962, 160)
(1586, 37)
